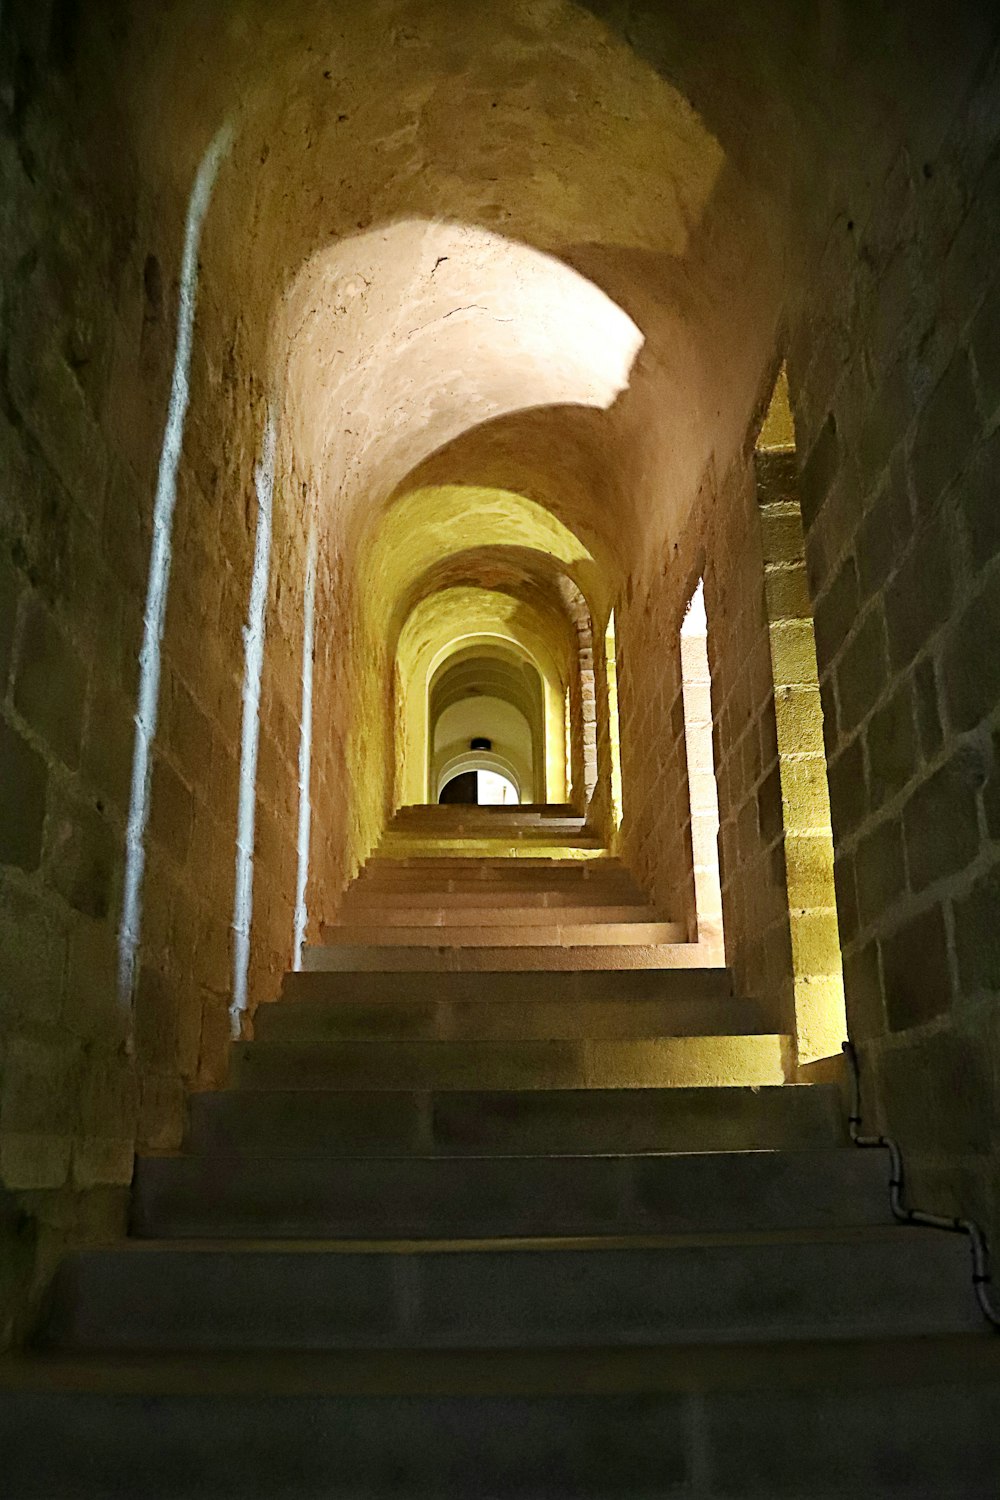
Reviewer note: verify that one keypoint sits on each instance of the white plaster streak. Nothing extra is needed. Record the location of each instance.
(305, 749)
(253, 657)
(130, 927)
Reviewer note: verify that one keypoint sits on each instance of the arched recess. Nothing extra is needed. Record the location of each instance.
(488, 692)
(475, 619)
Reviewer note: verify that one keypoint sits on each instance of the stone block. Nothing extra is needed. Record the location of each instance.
(799, 720)
(46, 392)
(171, 811)
(109, 1098)
(103, 1161)
(985, 343)
(781, 533)
(30, 1161)
(979, 501)
(915, 970)
(848, 790)
(787, 592)
(108, 744)
(793, 653)
(41, 1088)
(880, 872)
(819, 471)
(863, 991)
(939, 1095)
(836, 612)
(946, 432)
(971, 675)
(862, 671)
(815, 942)
(90, 1004)
(10, 592)
(161, 1112)
(920, 597)
(805, 795)
(155, 1021)
(769, 812)
(941, 824)
(927, 709)
(32, 958)
(50, 683)
(977, 935)
(886, 420)
(188, 733)
(846, 896)
(23, 785)
(892, 745)
(81, 854)
(885, 531)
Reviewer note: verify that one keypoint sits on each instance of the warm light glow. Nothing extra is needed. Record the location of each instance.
(457, 620)
(494, 790)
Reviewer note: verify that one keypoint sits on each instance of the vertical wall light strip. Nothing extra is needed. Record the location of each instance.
(130, 926)
(253, 665)
(305, 748)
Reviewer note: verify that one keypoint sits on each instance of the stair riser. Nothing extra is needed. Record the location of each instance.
(613, 934)
(567, 986)
(672, 1062)
(537, 902)
(200, 1197)
(402, 960)
(892, 1281)
(740, 1445)
(476, 1123)
(500, 1020)
(385, 914)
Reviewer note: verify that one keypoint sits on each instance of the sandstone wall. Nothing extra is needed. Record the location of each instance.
(896, 386)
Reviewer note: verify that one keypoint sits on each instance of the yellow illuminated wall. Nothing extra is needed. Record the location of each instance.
(821, 1023)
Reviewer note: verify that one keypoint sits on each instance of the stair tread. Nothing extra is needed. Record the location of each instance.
(904, 1360)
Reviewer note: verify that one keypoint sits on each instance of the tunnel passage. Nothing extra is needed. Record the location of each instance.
(487, 711)
(279, 347)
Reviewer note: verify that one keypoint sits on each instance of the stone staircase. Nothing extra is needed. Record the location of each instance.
(509, 1195)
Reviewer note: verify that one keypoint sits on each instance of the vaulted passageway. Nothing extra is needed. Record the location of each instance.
(379, 381)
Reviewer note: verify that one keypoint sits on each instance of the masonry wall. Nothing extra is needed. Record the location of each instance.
(722, 542)
(895, 380)
(89, 267)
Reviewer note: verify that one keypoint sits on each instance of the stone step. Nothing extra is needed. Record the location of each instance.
(492, 825)
(509, 873)
(392, 913)
(388, 958)
(654, 1063)
(352, 933)
(503, 1294)
(513, 846)
(431, 812)
(444, 890)
(203, 1197)
(375, 1123)
(886, 1419)
(581, 869)
(486, 1020)
(569, 985)
(405, 897)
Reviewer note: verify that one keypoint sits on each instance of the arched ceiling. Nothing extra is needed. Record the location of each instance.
(439, 218)
(436, 536)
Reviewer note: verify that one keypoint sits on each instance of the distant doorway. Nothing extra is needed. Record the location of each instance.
(480, 789)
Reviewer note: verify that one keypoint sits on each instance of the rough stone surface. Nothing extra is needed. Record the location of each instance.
(405, 270)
